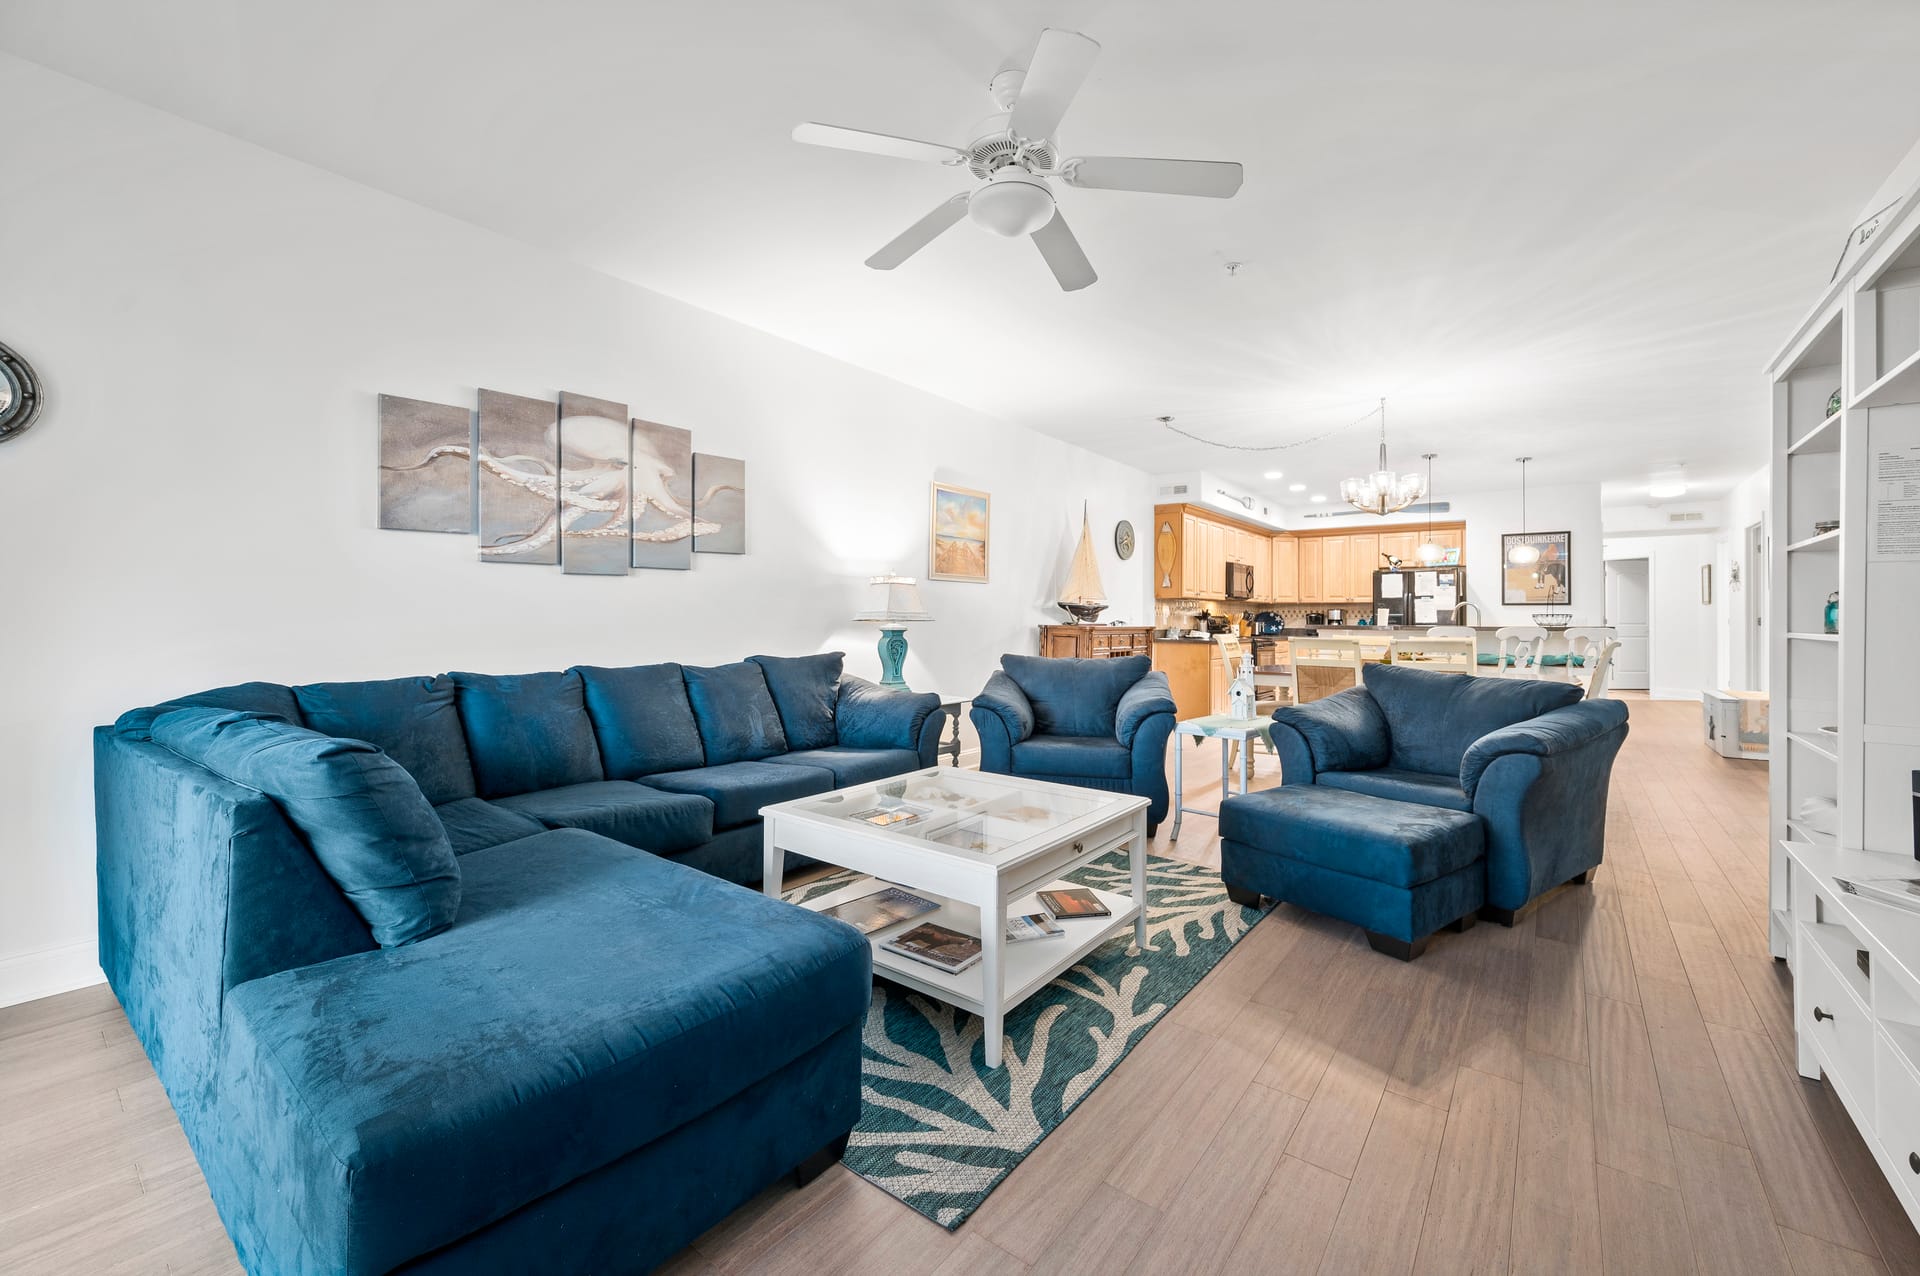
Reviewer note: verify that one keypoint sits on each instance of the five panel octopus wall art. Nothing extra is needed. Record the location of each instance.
(576, 483)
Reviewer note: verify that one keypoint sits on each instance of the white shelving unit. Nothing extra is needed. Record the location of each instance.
(1846, 706)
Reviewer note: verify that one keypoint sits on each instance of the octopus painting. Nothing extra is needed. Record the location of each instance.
(555, 484)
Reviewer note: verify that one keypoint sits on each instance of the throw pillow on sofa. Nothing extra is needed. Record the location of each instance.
(527, 731)
(412, 720)
(365, 818)
(738, 720)
(805, 689)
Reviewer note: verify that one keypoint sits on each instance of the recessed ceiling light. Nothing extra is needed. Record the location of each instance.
(1667, 489)
(1296, 487)
(1318, 497)
(1273, 474)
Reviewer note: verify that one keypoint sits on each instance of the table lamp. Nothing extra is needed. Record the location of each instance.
(893, 602)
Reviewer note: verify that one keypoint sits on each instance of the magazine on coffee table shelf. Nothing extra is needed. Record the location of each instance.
(937, 946)
(1898, 892)
(1073, 902)
(1033, 926)
(880, 909)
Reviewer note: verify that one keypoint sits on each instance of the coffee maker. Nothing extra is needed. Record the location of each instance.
(1336, 616)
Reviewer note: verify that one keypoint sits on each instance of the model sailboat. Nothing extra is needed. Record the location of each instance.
(1083, 596)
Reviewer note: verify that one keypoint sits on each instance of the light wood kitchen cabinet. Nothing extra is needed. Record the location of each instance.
(1399, 545)
(1335, 575)
(1363, 555)
(1284, 582)
(1312, 554)
(1188, 666)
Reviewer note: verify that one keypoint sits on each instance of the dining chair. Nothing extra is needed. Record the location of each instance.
(1600, 679)
(1584, 643)
(1323, 666)
(1453, 654)
(1525, 643)
(1232, 652)
(1452, 631)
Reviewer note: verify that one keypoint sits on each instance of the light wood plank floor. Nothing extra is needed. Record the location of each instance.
(1607, 1087)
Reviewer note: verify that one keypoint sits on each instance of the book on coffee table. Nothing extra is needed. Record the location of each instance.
(937, 946)
(1032, 926)
(1073, 903)
(880, 909)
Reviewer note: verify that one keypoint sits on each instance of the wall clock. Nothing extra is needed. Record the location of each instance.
(19, 395)
(1123, 540)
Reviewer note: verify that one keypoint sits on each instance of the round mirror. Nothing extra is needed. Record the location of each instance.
(19, 395)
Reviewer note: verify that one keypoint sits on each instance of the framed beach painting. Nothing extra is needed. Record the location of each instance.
(1547, 580)
(959, 534)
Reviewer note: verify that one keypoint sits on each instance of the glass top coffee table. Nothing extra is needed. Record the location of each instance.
(979, 845)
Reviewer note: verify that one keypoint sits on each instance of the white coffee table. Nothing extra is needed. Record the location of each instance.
(980, 846)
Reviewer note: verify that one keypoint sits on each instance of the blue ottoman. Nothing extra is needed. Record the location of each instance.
(1398, 870)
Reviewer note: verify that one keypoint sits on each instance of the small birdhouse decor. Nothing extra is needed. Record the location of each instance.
(1240, 692)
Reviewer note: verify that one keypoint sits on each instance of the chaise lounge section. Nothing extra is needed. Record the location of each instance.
(487, 996)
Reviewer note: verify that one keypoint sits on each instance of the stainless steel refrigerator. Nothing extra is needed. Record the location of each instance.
(1416, 597)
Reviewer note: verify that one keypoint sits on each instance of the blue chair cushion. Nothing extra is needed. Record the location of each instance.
(739, 789)
(736, 713)
(1433, 717)
(634, 814)
(1399, 843)
(854, 766)
(405, 1100)
(805, 690)
(642, 719)
(1081, 756)
(1075, 697)
(527, 731)
(870, 716)
(414, 721)
(1344, 732)
(268, 698)
(1401, 786)
(474, 825)
(364, 817)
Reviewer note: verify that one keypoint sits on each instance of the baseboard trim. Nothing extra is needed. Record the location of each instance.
(1672, 693)
(31, 976)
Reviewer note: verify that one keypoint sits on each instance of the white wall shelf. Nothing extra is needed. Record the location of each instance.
(1901, 385)
(1798, 637)
(1817, 742)
(1825, 542)
(1824, 437)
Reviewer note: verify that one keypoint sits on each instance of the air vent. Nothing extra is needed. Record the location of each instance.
(1687, 516)
(1178, 489)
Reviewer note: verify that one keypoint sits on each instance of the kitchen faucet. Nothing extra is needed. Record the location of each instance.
(1460, 609)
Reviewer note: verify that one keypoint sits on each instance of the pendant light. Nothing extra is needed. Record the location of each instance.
(1429, 551)
(1382, 492)
(1525, 554)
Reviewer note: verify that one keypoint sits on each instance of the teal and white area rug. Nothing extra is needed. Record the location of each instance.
(939, 1130)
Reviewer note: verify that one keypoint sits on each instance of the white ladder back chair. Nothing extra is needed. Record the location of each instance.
(1452, 631)
(1323, 666)
(1525, 643)
(1600, 679)
(1584, 642)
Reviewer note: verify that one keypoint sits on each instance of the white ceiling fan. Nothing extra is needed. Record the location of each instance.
(1014, 153)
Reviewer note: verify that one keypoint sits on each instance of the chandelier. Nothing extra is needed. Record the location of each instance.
(1382, 492)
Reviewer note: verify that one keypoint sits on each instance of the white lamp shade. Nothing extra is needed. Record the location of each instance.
(893, 600)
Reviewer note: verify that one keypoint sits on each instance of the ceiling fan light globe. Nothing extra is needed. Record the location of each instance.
(1012, 203)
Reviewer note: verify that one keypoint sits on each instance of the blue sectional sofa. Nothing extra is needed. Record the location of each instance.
(442, 974)
(1098, 724)
(1421, 799)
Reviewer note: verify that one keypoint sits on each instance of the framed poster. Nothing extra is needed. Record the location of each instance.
(959, 534)
(1548, 580)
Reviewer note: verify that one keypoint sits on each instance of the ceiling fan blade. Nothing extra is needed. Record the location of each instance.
(1064, 258)
(920, 234)
(854, 139)
(1213, 178)
(1059, 67)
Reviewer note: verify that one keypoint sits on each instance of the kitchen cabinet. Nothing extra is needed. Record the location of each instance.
(1311, 552)
(1284, 573)
(1188, 666)
(1335, 575)
(1363, 555)
(1399, 545)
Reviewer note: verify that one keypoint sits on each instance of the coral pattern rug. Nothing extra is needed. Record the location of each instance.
(939, 1131)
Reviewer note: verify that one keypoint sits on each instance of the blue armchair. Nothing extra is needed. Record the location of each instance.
(1529, 758)
(1098, 724)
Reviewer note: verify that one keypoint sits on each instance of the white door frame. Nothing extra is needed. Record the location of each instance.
(1624, 676)
(1753, 607)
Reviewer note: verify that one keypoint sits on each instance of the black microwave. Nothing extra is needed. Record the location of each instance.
(1239, 580)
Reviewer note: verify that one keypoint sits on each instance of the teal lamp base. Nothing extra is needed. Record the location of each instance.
(893, 655)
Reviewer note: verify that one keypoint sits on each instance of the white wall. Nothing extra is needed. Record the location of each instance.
(1681, 631)
(1572, 508)
(1745, 505)
(196, 505)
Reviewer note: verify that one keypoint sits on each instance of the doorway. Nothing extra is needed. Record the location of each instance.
(1753, 611)
(1628, 613)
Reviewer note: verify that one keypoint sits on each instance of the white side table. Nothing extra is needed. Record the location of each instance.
(1228, 731)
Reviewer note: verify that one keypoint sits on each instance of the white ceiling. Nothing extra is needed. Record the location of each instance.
(1570, 230)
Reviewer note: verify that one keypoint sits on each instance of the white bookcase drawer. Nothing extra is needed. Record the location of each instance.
(1897, 1117)
(1833, 1011)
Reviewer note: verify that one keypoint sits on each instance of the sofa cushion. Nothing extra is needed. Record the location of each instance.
(527, 731)
(364, 817)
(805, 689)
(1075, 697)
(255, 697)
(870, 716)
(1433, 717)
(664, 823)
(474, 825)
(1399, 843)
(414, 721)
(853, 766)
(1344, 732)
(1085, 757)
(1401, 786)
(405, 1100)
(737, 717)
(642, 719)
(739, 789)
